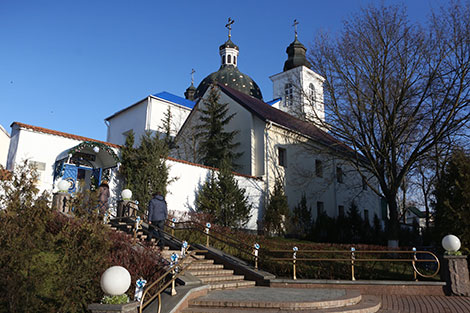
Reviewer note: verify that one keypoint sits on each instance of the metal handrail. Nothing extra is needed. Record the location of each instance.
(171, 271)
(240, 246)
(353, 258)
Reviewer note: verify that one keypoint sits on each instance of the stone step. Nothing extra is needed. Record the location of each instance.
(368, 304)
(265, 299)
(231, 284)
(210, 272)
(217, 278)
(205, 266)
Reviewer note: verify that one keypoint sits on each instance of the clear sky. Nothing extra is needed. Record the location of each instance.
(67, 65)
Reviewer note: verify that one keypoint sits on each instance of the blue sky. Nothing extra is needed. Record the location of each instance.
(67, 65)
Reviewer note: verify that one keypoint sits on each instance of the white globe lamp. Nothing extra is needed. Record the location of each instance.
(96, 149)
(115, 281)
(63, 186)
(126, 194)
(451, 243)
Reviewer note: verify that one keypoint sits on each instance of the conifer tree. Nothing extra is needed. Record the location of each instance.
(302, 217)
(277, 210)
(214, 143)
(452, 205)
(166, 129)
(222, 198)
(144, 168)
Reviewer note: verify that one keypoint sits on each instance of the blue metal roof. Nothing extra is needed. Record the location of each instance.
(175, 99)
(273, 101)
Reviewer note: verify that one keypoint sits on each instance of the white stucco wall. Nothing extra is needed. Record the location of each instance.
(4, 146)
(133, 118)
(299, 176)
(27, 144)
(158, 108)
(190, 178)
(300, 77)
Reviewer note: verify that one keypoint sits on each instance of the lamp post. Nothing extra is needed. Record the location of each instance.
(455, 269)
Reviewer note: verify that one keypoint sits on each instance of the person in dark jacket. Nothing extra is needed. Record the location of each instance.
(157, 214)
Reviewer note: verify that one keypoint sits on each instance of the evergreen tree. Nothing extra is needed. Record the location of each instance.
(277, 211)
(452, 206)
(214, 143)
(355, 223)
(222, 198)
(166, 129)
(144, 168)
(302, 218)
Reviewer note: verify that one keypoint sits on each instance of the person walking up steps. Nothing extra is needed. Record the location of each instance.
(157, 214)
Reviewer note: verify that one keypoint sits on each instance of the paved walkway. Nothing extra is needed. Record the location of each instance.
(424, 304)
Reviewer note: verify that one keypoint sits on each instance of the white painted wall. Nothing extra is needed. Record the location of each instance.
(133, 118)
(42, 147)
(304, 106)
(190, 178)
(4, 146)
(157, 110)
(299, 176)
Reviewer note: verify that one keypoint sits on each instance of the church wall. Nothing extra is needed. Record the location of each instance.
(258, 138)
(134, 118)
(190, 178)
(4, 146)
(242, 122)
(300, 177)
(38, 147)
(300, 78)
(158, 109)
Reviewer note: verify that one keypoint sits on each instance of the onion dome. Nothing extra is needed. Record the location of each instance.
(229, 75)
(190, 92)
(296, 56)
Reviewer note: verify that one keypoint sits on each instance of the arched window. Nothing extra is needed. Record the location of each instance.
(311, 93)
(229, 59)
(234, 60)
(288, 93)
(223, 59)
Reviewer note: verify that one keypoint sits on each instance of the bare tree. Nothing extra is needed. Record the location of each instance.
(394, 90)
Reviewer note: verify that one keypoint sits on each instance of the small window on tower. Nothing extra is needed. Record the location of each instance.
(234, 60)
(223, 59)
(288, 94)
(282, 154)
(229, 58)
(311, 93)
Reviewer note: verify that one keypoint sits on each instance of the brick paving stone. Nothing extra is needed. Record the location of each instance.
(424, 304)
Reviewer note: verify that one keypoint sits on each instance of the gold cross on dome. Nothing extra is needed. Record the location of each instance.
(229, 26)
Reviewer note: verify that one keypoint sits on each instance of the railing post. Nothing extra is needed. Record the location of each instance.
(139, 289)
(184, 248)
(353, 257)
(255, 252)
(294, 259)
(172, 225)
(174, 262)
(137, 227)
(208, 226)
(415, 276)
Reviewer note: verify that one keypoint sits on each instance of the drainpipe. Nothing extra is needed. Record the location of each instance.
(107, 129)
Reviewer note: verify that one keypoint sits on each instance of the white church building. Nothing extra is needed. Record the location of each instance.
(277, 138)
